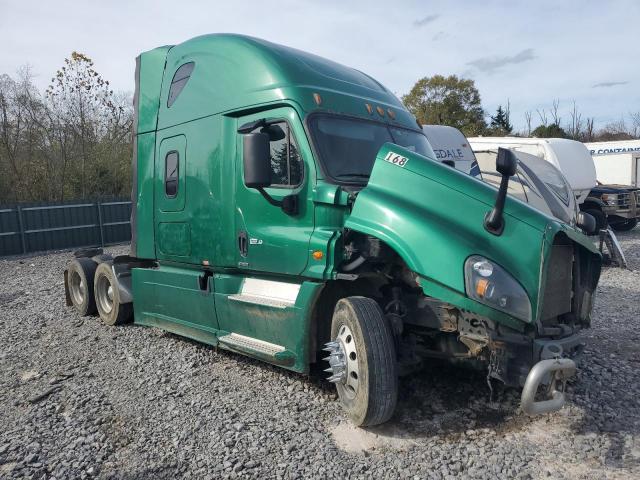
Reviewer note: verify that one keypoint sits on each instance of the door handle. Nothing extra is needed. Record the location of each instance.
(243, 243)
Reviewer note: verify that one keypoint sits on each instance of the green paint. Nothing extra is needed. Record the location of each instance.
(430, 214)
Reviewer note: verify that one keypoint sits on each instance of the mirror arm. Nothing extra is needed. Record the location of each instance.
(269, 198)
(288, 204)
(493, 220)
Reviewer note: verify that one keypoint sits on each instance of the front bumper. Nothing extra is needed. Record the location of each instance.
(516, 356)
(530, 364)
(555, 372)
(622, 213)
(628, 206)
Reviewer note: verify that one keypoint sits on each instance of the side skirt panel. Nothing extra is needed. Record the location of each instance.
(272, 325)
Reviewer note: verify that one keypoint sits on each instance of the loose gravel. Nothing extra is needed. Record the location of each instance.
(83, 400)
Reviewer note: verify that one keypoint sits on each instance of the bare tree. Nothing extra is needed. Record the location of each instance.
(16, 135)
(589, 134)
(542, 114)
(527, 119)
(616, 130)
(74, 141)
(635, 124)
(554, 112)
(575, 124)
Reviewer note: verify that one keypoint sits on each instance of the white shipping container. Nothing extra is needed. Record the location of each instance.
(617, 163)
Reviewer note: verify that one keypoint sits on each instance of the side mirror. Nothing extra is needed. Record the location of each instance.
(586, 222)
(506, 165)
(257, 160)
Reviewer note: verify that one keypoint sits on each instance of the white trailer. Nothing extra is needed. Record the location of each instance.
(450, 145)
(569, 156)
(617, 163)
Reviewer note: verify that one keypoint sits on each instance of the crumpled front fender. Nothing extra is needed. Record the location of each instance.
(432, 215)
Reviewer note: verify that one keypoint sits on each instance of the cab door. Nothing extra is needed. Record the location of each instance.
(173, 229)
(268, 239)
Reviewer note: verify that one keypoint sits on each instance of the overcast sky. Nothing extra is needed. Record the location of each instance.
(527, 52)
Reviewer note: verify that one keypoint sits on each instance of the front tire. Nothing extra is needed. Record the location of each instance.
(107, 295)
(625, 226)
(368, 389)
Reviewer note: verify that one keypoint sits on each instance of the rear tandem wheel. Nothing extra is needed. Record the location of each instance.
(80, 273)
(107, 296)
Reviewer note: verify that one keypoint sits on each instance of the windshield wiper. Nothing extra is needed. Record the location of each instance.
(361, 175)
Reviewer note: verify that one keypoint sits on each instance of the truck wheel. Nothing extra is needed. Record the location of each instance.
(111, 311)
(363, 361)
(80, 273)
(601, 218)
(625, 226)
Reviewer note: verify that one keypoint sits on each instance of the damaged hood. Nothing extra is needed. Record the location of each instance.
(433, 216)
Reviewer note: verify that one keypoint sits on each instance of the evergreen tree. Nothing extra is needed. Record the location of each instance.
(549, 131)
(500, 121)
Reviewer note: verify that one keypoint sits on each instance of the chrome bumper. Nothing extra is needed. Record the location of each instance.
(555, 372)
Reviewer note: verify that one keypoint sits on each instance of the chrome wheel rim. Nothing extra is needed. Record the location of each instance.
(77, 288)
(104, 294)
(343, 362)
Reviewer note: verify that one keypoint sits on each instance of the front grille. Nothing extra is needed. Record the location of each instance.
(624, 201)
(558, 291)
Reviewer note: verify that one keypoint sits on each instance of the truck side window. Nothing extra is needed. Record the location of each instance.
(286, 162)
(171, 165)
(180, 79)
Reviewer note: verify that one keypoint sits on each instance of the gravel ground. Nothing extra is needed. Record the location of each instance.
(82, 400)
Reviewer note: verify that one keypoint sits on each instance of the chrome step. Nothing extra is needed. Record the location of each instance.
(260, 300)
(267, 292)
(235, 341)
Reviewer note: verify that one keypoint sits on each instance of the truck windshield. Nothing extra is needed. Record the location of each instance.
(348, 147)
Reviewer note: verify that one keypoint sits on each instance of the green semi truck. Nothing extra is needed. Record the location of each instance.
(290, 208)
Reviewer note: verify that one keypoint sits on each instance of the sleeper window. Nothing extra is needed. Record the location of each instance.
(180, 79)
(286, 161)
(171, 165)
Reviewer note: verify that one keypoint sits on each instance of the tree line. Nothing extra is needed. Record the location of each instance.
(454, 101)
(73, 141)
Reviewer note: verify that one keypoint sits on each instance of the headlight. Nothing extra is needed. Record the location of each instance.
(491, 285)
(610, 199)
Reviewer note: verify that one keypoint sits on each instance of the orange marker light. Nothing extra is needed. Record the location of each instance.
(380, 111)
(317, 255)
(369, 108)
(484, 288)
(317, 98)
(481, 287)
(392, 114)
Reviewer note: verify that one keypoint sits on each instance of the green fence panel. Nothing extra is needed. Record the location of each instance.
(43, 227)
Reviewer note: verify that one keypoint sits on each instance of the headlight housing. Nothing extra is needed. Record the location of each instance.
(491, 285)
(610, 198)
